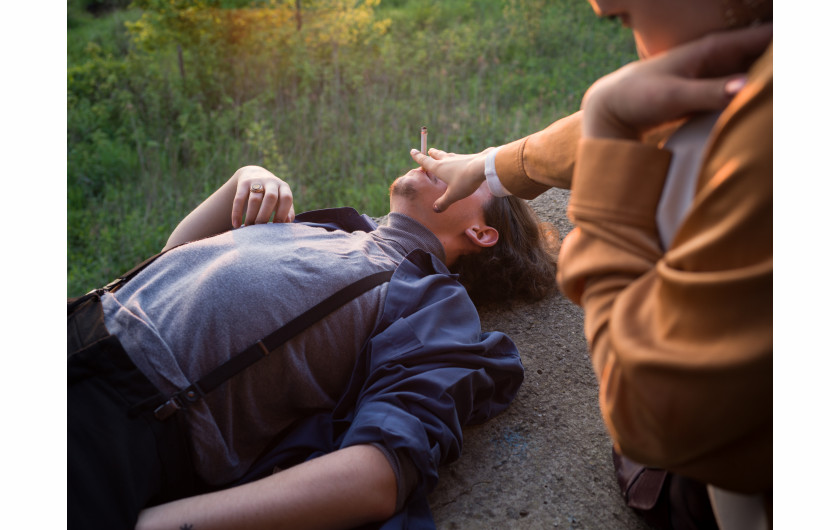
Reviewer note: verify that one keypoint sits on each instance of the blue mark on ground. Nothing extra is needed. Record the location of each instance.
(513, 443)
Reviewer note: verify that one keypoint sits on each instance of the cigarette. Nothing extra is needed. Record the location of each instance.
(423, 134)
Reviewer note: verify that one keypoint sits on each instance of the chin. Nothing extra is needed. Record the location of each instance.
(403, 187)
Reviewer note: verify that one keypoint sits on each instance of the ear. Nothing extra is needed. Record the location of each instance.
(483, 235)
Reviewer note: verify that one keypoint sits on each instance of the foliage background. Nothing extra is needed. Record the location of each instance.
(167, 98)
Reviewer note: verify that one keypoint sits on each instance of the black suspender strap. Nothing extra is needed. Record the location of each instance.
(262, 348)
(72, 303)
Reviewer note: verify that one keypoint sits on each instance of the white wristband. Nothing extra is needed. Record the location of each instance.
(493, 182)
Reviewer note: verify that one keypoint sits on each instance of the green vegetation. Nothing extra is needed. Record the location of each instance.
(167, 98)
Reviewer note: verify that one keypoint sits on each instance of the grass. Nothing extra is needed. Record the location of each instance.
(146, 145)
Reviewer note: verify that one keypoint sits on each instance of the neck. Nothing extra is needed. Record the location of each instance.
(409, 234)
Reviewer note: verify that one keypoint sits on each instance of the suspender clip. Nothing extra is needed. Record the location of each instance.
(170, 407)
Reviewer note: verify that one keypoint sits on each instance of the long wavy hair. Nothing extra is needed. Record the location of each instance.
(521, 265)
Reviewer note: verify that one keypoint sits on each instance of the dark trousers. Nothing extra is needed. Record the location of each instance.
(119, 461)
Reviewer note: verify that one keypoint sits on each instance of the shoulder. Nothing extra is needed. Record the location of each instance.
(427, 303)
(422, 279)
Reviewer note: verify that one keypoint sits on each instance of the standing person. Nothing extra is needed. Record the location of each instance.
(672, 256)
(357, 412)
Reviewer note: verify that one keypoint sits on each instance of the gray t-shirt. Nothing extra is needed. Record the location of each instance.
(201, 303)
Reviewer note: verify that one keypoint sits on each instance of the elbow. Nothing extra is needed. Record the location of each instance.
(385, 509)
(383, 499)
(382, 486)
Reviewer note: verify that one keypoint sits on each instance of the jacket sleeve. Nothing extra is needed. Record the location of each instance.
(681, 340)
(430, 372)
(529, 166)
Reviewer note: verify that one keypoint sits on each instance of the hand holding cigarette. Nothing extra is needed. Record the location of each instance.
(463, 174)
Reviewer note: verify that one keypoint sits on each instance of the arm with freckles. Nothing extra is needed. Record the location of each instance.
(343, 489)
(223, 210)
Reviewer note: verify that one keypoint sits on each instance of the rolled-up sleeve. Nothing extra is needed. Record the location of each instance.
(432, 372)
(529, 166)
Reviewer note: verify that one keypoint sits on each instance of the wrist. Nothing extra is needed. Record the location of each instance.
(493, 182)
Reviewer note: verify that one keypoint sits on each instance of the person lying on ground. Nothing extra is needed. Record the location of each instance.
(356, 413)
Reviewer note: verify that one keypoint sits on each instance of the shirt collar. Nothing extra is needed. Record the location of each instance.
(409, 234)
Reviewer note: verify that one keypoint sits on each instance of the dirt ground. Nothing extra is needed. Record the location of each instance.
(545, 462)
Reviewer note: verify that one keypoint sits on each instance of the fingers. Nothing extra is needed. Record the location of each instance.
(284, 212)
(276, 201)
(259, 196)
(252, 210)
(458, 189)
(430, 164)
(454, 193)
(709, 94)
(444, 201)
(727, 53)
(463, 174)
(239, 201)
(267, 206)
(702, 75)
(425, 161)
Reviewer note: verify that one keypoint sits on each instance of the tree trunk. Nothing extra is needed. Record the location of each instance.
(181, 62)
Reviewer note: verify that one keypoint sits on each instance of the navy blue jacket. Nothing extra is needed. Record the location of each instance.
(426, 372)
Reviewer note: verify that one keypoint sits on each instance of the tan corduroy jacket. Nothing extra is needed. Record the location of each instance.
(680, 339)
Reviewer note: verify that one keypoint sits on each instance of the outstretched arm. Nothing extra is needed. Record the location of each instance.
(225, 207)
(344, 489)
(526, 167)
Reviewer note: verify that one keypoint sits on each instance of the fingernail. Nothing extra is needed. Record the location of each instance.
(733, 86)
(436, 208)
(414, 151)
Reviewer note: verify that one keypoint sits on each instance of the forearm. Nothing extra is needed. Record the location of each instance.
(344, 489)
(209, 218)
(531, 165)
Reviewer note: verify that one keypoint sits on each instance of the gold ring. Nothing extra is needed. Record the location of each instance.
(257, 188)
